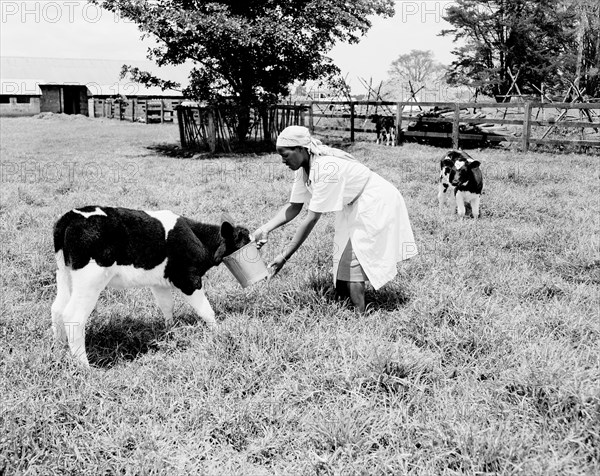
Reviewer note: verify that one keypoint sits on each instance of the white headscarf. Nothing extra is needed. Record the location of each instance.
(299, 136)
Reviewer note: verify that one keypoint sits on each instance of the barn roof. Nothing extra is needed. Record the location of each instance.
(20, 87)
(24, 75)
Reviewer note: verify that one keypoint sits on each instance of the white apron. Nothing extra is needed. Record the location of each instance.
(370, 212)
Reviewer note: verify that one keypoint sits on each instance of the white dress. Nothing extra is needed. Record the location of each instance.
(370, 212)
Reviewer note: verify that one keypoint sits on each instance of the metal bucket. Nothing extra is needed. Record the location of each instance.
(247, 265)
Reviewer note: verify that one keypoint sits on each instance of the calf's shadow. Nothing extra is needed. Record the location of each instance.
(126, 338)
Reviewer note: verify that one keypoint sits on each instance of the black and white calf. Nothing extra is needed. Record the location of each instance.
(460, 182)
(467, 179)
(385, 129)
(99, 246)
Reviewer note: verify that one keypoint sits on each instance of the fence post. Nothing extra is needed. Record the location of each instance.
(455, 124)
(146, 108)
(211, 132)
(133, 110)
(311, 124)
(399, 108)
(351, 121)
(526, 126)
(162, 111)
(180, 119)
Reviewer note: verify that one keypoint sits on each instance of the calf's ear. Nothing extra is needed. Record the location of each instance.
(227, 230)
(446, 162)
(474, 164)
(226, 217)
(227, 233)
(464, 154)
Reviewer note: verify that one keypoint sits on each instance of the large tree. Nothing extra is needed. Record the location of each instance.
(418, 67)
(414, 71)
(249, 51)
(536, 39)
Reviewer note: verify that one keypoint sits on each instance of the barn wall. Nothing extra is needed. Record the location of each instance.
(64, 99)
(51, 99)
(14, 108)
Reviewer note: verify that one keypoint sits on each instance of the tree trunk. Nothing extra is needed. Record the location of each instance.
(264, 116)
(580, 41)
(243, 125)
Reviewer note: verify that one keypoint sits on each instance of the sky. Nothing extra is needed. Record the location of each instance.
(77, 29)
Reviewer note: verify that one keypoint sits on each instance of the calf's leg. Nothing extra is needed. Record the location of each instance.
(164, 299)
(63, 294)
(442, 197)
(475, 206)
(201, 305)
(460, 204)
(87, 284)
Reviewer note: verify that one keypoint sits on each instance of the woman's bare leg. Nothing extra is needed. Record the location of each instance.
(357, 295)
(342, 289)
(353, 290)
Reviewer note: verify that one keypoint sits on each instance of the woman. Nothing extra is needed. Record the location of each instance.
(372, 230)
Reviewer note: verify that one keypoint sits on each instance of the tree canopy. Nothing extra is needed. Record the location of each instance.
(251, 50)
(549, 43)
(418, 69)
(418, 66)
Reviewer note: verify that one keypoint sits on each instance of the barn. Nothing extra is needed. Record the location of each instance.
(70, 86)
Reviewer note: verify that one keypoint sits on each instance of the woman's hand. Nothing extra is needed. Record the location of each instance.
(261, 237)
(276, 265)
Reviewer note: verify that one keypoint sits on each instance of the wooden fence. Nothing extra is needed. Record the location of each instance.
(215, 128)
(438, 123)
(147, 110)
(499, 122)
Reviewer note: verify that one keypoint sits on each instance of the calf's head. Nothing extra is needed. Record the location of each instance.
(232, 239)
(462, 172)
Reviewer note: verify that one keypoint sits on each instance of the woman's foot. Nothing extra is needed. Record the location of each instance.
(355, 291)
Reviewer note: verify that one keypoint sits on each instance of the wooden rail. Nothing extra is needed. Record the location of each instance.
(348, 110)
(147, 110)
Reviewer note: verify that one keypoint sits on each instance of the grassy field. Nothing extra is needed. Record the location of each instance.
(482, 357)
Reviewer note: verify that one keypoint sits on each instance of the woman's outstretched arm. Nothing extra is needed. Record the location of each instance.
(304, 229)
(286, 214)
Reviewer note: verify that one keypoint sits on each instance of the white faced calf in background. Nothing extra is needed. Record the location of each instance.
(467, 180)
(98, 247)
